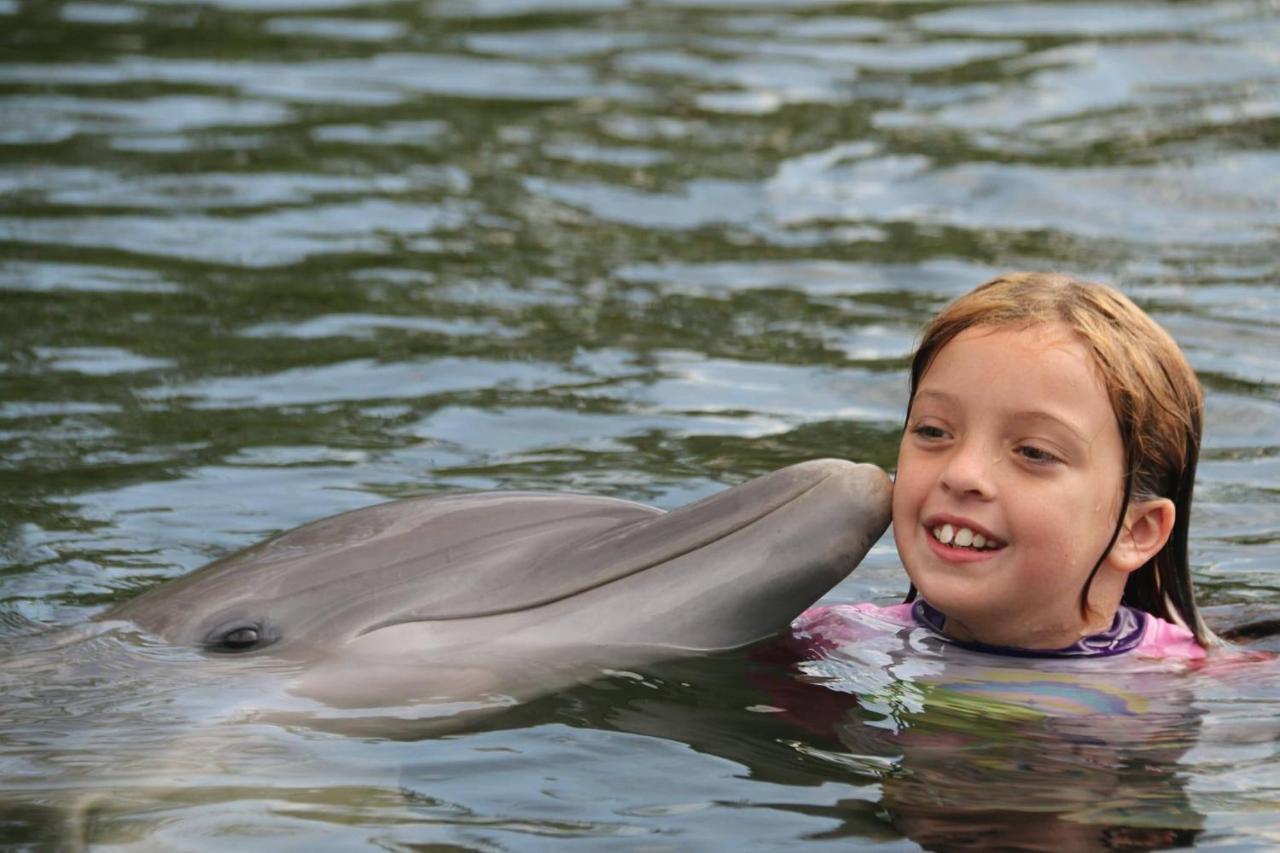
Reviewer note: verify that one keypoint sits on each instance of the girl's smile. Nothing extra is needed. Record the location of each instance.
(1008, 487)
(962, 534)
(960, 540)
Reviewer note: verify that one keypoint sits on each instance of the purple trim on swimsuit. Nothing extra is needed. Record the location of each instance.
(1125, 634)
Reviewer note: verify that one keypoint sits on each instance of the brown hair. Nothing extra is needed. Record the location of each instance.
(1153, 391)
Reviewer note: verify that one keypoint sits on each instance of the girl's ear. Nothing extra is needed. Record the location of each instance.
(1146, 528)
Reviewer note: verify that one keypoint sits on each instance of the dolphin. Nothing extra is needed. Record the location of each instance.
(466, 597)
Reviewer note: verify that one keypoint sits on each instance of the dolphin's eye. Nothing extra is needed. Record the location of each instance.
(242, 638)
(238, 638)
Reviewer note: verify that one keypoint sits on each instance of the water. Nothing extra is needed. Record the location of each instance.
(261, 262)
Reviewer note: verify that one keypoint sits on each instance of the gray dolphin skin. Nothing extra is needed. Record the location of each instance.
(515, 593)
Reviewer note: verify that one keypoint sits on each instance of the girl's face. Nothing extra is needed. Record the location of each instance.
(1008, 487)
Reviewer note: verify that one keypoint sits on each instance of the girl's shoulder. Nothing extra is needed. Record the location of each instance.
(1164, 639)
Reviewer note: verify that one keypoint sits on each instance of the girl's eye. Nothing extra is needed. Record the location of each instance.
(1037, 455)
(928, 432)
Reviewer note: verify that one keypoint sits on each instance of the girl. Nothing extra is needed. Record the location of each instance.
(1040, 508)
(1044, 479)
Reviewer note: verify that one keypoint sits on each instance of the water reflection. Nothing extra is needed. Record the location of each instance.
(1023, 762)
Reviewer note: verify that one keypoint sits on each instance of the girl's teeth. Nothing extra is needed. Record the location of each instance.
(963, 537)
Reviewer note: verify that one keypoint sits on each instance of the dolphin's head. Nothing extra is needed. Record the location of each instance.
(325, 584)
(523, 585)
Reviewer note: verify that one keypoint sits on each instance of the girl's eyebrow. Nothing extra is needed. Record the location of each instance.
(1053, 420)
(942, 396)
(947, 398)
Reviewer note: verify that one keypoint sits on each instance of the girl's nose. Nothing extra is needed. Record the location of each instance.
(969, 470)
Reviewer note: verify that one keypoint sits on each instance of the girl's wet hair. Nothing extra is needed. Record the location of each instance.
(1157, 400)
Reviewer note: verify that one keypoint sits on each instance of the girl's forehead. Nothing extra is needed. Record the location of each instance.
(1047, 335)
(1027, 347)
(1046, 362)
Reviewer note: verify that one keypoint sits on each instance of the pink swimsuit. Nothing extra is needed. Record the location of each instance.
(1132, 632)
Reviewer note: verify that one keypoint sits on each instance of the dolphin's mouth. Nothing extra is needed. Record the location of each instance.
(635, 546)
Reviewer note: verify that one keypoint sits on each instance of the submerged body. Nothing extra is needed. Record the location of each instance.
(464, 597)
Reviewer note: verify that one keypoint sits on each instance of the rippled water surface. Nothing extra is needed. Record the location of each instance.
(262, 261)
